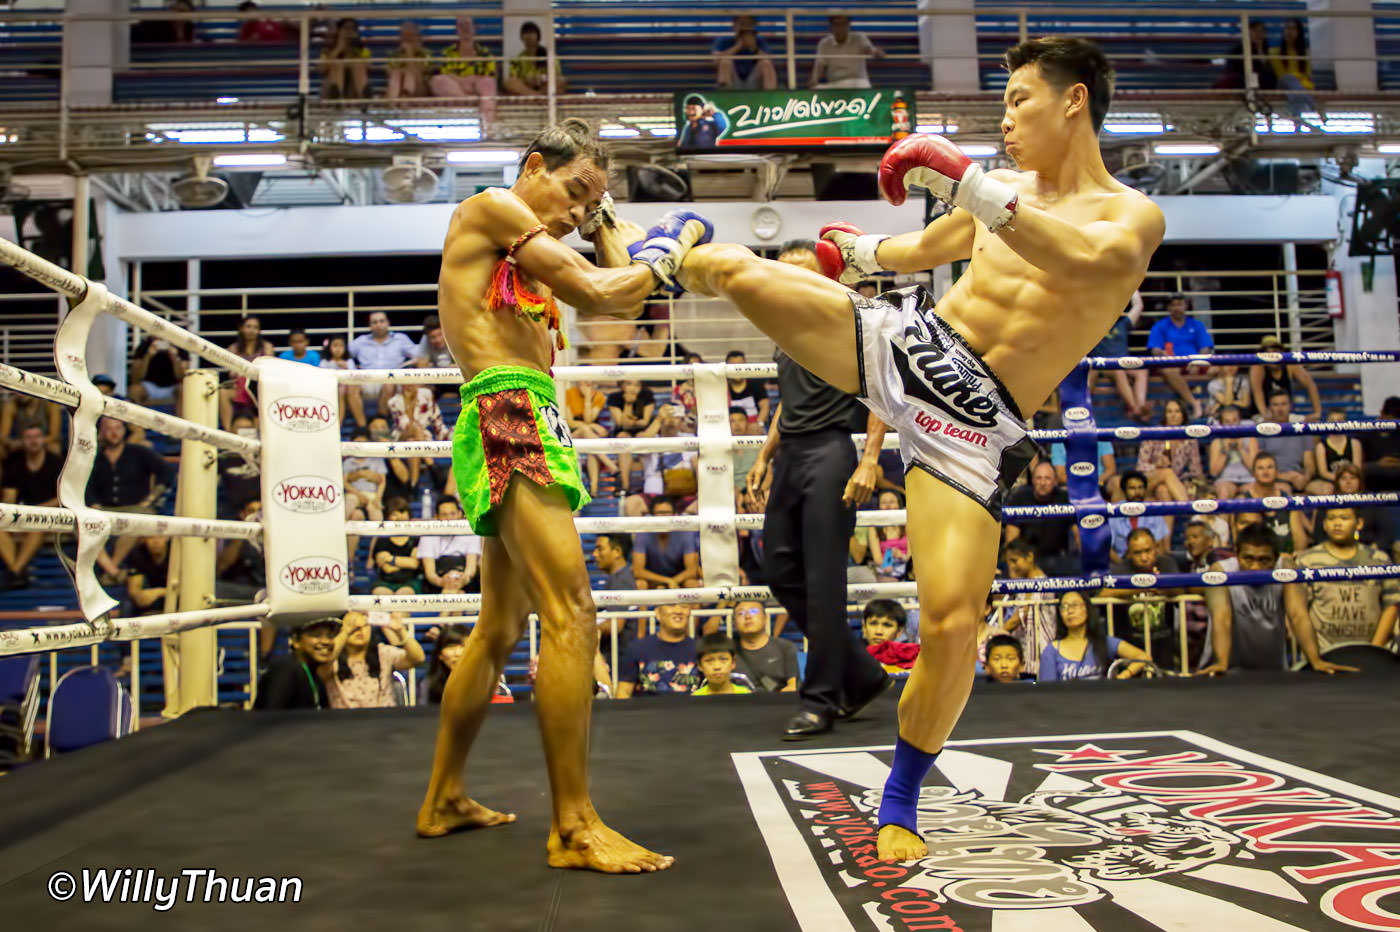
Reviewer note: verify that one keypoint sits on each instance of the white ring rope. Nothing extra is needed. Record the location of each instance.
(126, 524)
(84, 633)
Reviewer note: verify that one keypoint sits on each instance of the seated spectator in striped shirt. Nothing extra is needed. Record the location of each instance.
(715, 653)
(1032, 622)
(299, 349)
(1135, 490)
(1080, 649)
(1178, 334)
(396, 558)
(360, 674)
(440, 554)
(382, 348)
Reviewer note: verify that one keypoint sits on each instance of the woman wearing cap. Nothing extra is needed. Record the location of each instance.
(1267, 378)
(296, 681)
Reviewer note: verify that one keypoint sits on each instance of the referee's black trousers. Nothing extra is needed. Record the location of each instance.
(806, 536)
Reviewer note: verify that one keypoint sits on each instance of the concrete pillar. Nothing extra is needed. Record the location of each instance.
(949, 44)
(107, 342)
(92, 51)
(1345, 45)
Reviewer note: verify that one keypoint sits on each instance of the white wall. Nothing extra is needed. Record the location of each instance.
(419, 228)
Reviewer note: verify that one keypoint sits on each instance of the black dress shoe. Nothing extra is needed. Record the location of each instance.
(806, 724)
(857, 706)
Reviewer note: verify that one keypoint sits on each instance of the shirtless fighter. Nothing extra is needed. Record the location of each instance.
(517, 474)
(1057, 249)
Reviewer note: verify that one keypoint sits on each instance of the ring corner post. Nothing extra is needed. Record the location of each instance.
(198, 478)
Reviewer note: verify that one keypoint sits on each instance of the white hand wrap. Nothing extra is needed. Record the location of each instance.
(989, 200)
(602, 215)
(862, 254)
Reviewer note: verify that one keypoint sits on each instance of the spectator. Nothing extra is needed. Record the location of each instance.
(716, 654)
(166, 30)
(1032, 622)
(1150, 611)
(433, 351)
(299, 349)
(1005, 661)
(1218, 524)
(1376, 526)
(1331, 451)
(1229, 387)
(29, 476)
(1348, 611)
(1059, 459)
(632, 407)
(148, 571)
(1286, 524)
(586, 404)
(240, 480)
(156, 371)
(414, 416)
(261, 30)
(1381, 451)
(1292, 452)
(234, 397)
(20, 412)
(401, 478)
(704, 124)
(612, 554)
(409, 64)
(242, 564)
(468, 71)
(1201, 543)
(882, 624)
(1119, 527)
(664, 662)
(841, 56)
(746, 394)
(1169, 464)
(295, 681)
(440, 554)
(743, 457)
(362, 670)
(365, 479)
(1247, 622)
(1267, 378)
(345, 63)
(1179, 334)
(448, 648)
(769, 663)
(1234, 74)
(884, 547)
(667, 559)
(751, 543)
(125, 478)
(529, 71)
(672, 474)
(1054, 539)
(352, 397)
(1232, 458)
(1080, 649)
(396, 557)
(1293, 66)
(382, 349)
(1131, 383)
(743, 61)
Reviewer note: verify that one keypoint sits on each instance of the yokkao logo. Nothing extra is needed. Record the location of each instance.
(1142, 580)
(308, 495)
(1132, 509)
(1214, 578)
(1285, 575)
(1129, 362)
(1082, 469)
(1275, 502)
(1268, 428)
(1197, 430)
(1127, 433)
(1076, 414)
(1089, 522)
(313, 575)
(1204, 506)
(1271, 357)
(303, 414)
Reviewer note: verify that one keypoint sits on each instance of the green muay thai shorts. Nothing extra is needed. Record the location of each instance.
(511, 422)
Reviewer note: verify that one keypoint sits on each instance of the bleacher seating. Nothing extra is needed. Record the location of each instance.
(88, 706)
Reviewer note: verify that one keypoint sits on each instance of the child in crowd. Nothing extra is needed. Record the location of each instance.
(716, 655)
(361, 672)
(881, 623)
(1005, 661)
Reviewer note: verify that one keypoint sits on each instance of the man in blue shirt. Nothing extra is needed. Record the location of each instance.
(382, 349)
(300, 351)
(1119, 529)
(742, 61)
(664, 662)
(1178, 334)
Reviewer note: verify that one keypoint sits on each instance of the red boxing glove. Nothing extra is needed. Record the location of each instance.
(847, 254)
(937, 164)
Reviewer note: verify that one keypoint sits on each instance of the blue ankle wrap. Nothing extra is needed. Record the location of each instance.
(899, 803)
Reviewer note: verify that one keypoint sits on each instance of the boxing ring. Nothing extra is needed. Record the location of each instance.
(1076, 808)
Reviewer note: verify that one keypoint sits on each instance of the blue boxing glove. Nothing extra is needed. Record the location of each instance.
(665, 245)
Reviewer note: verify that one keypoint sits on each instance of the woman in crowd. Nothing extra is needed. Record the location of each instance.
(345, 63)
(1232, 458)
(1081, 650)
(361, 672)
(529, 71)
(1229, 387)
(1331, 451)
(632, 406)
(409, 64)
(1265, 379)
(586, 405)
(337, 356)
(234, 397)
(21, 412)
(884, 548)
(396, 558)
(1374, 518)
(450, 645)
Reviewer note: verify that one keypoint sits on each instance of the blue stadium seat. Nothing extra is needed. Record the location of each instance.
(88, 706)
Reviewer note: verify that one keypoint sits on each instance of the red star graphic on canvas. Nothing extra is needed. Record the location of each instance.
(1086, 752)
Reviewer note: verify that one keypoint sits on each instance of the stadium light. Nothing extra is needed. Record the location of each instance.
(484, 157)
(1186, 148)
(978, 150)
(251, 160)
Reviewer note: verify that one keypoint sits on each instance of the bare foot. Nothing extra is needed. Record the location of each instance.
(897, 843)
(458, 814)
(596, 847)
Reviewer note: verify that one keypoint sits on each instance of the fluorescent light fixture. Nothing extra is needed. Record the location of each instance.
(211, 136)
(484, 157)
(618, 132)
(1389, 148)
(1186, 148)
(1133, 128)
(940, 128)
(225, 100)
(372, 134)
(662, 131)
(978, 150)
(251, 160)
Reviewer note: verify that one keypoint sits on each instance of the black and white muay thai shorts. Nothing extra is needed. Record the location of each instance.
(954, 417)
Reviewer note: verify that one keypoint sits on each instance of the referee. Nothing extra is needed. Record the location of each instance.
(807, 526)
